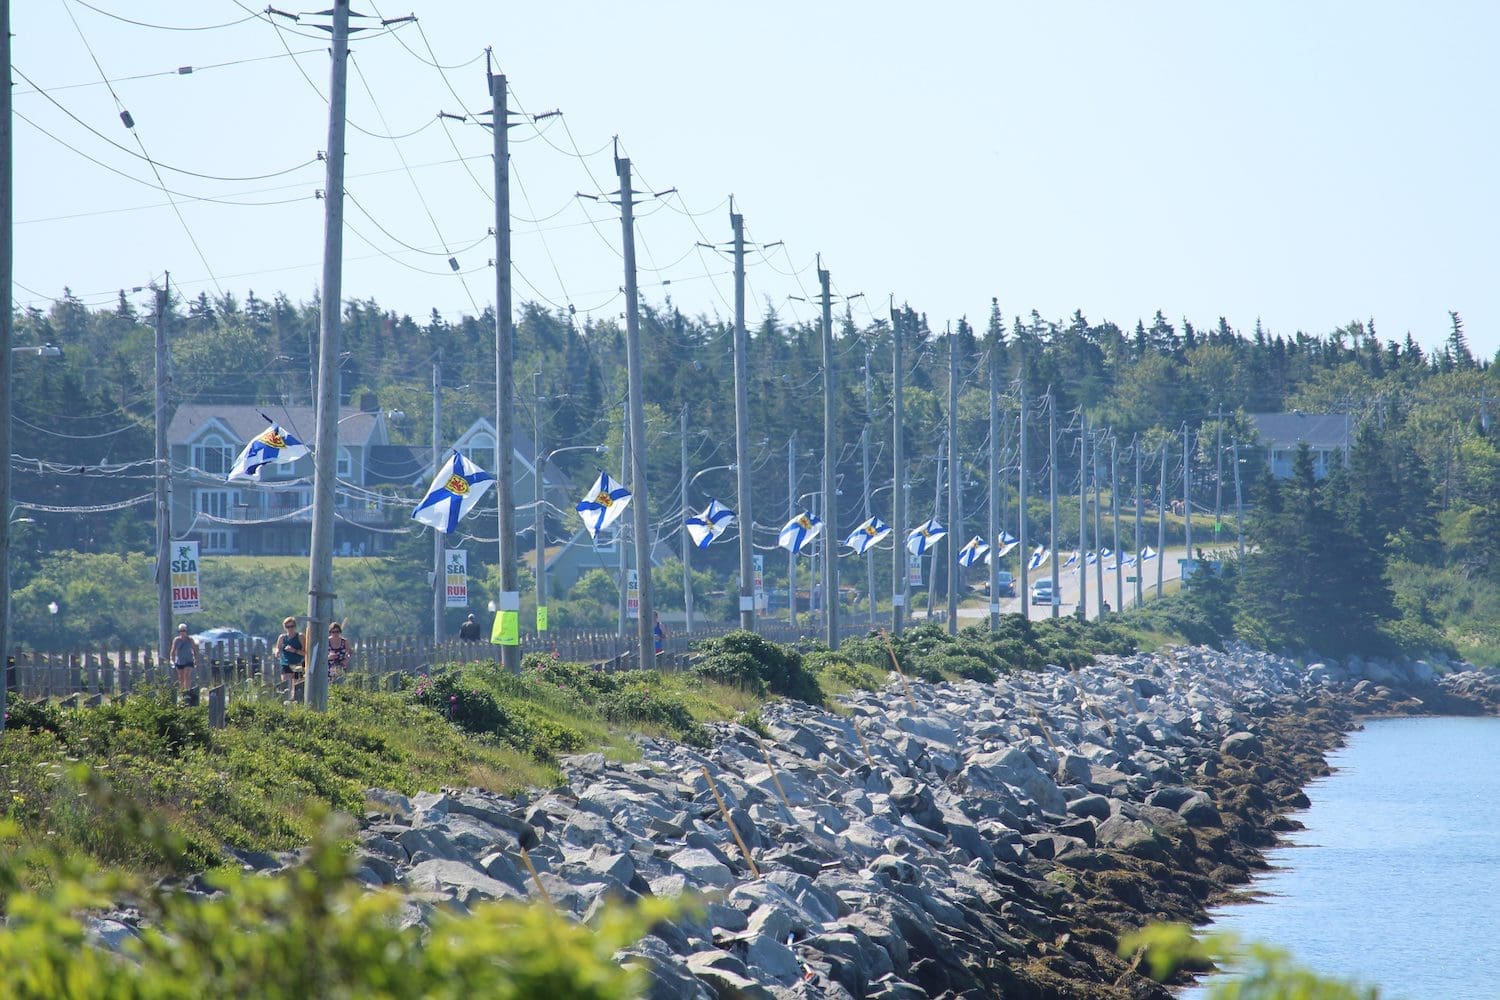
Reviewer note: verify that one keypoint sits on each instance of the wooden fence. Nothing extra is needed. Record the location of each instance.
(91, 673)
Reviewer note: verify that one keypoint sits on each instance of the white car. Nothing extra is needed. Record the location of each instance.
(222, 633)
(1042, 593)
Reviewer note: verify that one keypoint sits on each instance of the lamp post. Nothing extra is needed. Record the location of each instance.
(539, 523)
(52, 609)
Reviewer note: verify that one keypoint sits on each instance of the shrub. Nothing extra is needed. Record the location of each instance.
(744, 659)
(839, 670)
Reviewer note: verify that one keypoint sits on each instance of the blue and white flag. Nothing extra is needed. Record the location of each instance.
(799, 532)
(1128, 561)
(605, 501)
(922, 538)
(1093, 557)
(1007, 543)
(1039, 555)
(1072, 559)
(872, 532)
(974, 550)
(453, 494)
(1148, 553)
(705, 527)
(269, 446)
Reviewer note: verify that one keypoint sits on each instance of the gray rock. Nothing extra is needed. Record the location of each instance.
(1241, 744)
(770, 959)
(1093, 805)
(465, 883)
(1131, 836)
(702, 867)
(727, 976)
(422, 843)
(987, 771)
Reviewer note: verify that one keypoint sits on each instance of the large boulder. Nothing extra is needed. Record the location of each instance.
(988, 772)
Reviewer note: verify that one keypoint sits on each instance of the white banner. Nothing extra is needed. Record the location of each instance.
(632, 595)
(914, 570)
(184, 569)
(456, 570)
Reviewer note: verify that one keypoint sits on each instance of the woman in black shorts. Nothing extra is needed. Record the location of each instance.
(291, 653)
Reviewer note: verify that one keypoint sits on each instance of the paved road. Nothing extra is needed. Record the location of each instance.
(1067, 581)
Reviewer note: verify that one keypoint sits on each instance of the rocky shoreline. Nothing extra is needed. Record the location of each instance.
(950, 840)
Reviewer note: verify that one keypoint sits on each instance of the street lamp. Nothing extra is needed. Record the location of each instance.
(52, 610)
(539, 523)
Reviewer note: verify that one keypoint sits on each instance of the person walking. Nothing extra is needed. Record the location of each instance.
(469, 630)
(291, 653)
(338, 650)
(659, 634)
(184, 656)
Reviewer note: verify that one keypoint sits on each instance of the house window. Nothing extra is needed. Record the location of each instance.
(346, 463)
(214, 455)
(481, 451)
(215, 503)
(605, 541)
(218, 541)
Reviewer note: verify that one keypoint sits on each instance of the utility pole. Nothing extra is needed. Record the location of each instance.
(742, 428)
(791, 512)
(163, 480)
(1135, 539)
(640, 504)
(320, 594)
(7, 323)
(509, 599)
(1114, 499)
(539, 507)
(937, 504)
(1022, 541)
(1083, 515)
(1239, 503)
(439, 539)
(1187, 491)
(955, 485)
(687, 541)
(864, 447)
(1219, 476)
(899, 576)
(1161, 522)
(1052, 485)
(1098, 529)
(620, 531)
(995, 470)
(830, 494)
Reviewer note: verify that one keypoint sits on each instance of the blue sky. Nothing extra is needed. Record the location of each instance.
(1304, 164)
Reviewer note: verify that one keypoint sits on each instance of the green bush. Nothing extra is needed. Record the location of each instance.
(840, 670)
(744, 659)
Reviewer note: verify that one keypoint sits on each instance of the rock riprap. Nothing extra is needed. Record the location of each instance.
(975, 840)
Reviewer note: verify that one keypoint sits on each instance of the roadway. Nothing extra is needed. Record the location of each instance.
(1067, 583)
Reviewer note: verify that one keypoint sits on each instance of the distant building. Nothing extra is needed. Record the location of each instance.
(274, 516)
(1327, 435)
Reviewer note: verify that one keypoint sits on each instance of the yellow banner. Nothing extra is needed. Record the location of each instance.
(541, 618)
(507, 630)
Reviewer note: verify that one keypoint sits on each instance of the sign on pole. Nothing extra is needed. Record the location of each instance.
(457, 563)
(185, 595)
(632, 595)
(914, 570)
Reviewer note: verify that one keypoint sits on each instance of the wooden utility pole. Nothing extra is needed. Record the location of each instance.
(7, 323)
(864, 448)
(996, 522)
(620, 531)
(320, 594)
(1135, 539)
(955, 486)
(1096, 469)
(508, 601)
(1114, 500)
(899, 576)
(687, 541)
(830, 470)
(1083, 515)
(1161, 521)
(163, 480)
(1022, 541)
(937, 505)
(1239, 504)
(1052, 489)
(539, 490)
(1187, 490)
(791, 512)
(439, 538)
(639, 503)
(742, 430)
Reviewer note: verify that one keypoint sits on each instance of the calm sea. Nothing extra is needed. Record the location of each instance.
(1396, 880)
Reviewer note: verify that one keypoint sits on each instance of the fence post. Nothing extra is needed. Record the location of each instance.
(216, 709)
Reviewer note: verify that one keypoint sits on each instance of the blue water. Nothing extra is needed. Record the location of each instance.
(1395, 882)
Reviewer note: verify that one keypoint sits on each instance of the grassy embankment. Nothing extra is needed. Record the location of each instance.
(169, 793)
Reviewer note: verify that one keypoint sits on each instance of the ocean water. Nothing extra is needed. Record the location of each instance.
(1395, 882)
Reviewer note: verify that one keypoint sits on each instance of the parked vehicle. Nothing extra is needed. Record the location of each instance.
(1007, 584)
(221, 633)
(1042, 593)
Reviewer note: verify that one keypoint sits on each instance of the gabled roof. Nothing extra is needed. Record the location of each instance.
(356, 427)
(1325, 431)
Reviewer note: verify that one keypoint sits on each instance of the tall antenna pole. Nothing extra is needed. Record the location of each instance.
(1052, 488)
(899, 577)
(830, 492)
(640, 504)
(509, 601)
(163, 479)
(995, 471)
(955, 526)
(320, 595)
(742, 429)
